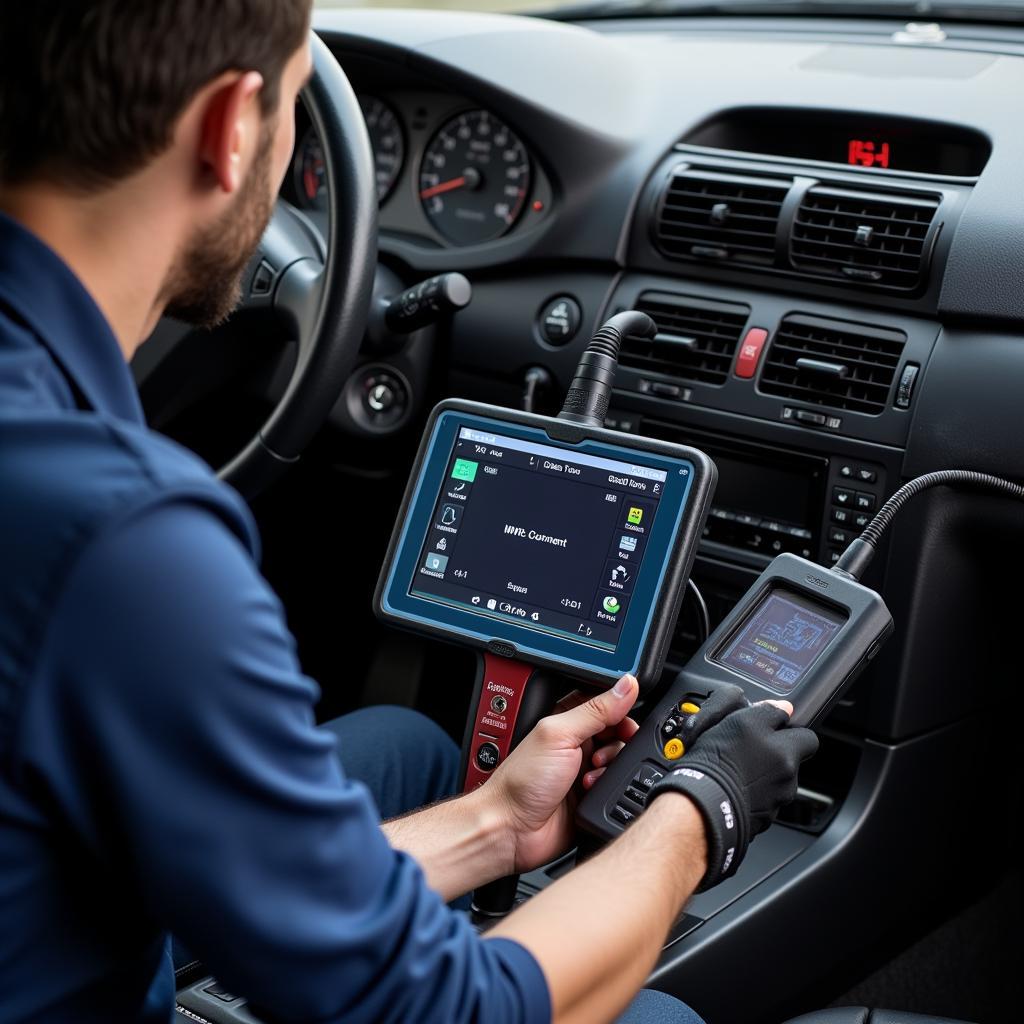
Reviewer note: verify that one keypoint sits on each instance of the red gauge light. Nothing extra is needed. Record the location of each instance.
(865, 153)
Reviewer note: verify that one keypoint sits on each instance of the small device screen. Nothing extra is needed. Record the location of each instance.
(780, 640)
(550, 539)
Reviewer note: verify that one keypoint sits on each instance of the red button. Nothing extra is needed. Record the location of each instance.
(750, 352)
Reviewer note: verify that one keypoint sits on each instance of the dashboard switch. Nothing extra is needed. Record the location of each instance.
(559, 320)
(905, 388)
(816, 419)
(750, 352)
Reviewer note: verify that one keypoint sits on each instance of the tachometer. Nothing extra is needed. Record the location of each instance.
(310, 173)
(388, 145)
(474, 178)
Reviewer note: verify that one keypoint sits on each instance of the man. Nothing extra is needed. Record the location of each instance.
(160, 767)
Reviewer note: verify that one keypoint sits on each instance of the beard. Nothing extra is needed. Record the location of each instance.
(205, 284)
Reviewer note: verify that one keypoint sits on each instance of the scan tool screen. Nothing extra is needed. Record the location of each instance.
(550, 539)
(780, 640)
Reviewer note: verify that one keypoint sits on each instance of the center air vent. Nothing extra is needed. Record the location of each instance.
(709, 215)
(833, 363)
(877, 239)
(696, 338)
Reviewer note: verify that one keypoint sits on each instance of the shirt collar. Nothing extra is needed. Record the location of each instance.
(41, 289)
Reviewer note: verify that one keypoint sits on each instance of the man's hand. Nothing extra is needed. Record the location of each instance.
(740, 766)
(537, 788)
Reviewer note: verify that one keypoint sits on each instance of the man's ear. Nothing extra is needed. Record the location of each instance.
(230, 128)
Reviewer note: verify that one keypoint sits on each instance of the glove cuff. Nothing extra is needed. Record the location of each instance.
(723, 823)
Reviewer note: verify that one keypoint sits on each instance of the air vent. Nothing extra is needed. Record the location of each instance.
(873, 239)
(696, 338)
(708, 215)
(832, 363)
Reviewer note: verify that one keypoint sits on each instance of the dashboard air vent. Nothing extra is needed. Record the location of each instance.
(871, 238)
(696, 338)
(708, 215)
(833, 363)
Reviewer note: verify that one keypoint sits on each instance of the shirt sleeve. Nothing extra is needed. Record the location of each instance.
(172, 726)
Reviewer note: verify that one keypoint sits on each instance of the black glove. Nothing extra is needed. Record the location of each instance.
(740, 766)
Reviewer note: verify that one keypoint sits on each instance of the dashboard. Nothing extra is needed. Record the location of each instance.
(825, 218)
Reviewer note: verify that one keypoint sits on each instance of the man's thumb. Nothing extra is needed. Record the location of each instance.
(601, 711)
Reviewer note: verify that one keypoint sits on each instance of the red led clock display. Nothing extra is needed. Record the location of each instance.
(865, 153)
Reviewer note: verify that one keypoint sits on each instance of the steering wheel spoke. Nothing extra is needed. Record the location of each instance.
(288, 239)
(321, 293)
(297, 300)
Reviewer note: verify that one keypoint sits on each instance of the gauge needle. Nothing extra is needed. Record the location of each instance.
(445, 186)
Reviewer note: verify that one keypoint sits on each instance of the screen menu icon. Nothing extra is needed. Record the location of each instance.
(465, 469)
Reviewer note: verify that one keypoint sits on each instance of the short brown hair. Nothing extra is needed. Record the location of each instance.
(90, 90)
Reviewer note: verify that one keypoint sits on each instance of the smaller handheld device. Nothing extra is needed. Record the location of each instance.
(801, 633)
(556, 543)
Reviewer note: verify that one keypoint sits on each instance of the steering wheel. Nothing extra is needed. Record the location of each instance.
(323, 297)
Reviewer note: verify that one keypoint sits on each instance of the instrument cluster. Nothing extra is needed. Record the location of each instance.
(450, 173)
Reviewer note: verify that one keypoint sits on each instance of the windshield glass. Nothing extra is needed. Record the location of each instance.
(499, 6)
(916, 10)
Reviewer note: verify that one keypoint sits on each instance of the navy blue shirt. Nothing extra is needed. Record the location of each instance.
(160, 766)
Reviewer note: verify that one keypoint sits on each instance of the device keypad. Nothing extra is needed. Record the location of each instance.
(634, 798)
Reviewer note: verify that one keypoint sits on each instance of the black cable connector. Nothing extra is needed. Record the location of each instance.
(857, 557)
(590, 392)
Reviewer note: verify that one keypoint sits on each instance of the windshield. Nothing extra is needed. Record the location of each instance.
(916, 10)
(498, 6)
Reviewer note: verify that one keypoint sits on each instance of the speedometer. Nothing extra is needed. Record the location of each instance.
(474, 178)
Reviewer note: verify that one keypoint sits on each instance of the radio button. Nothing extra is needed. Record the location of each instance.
(838, 537)
(861, 520)
(842, 515)
(843, 497)
(867, 476)
(865, 502)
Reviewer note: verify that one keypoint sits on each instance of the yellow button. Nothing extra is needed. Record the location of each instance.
(674, 749)
(689, 707)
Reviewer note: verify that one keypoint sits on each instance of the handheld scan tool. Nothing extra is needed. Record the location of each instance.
(801, 633)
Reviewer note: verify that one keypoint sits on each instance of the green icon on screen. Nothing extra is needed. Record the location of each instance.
(464, 469)
(611, 605)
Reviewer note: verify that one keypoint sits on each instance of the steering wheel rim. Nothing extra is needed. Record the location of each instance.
(327, 302)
